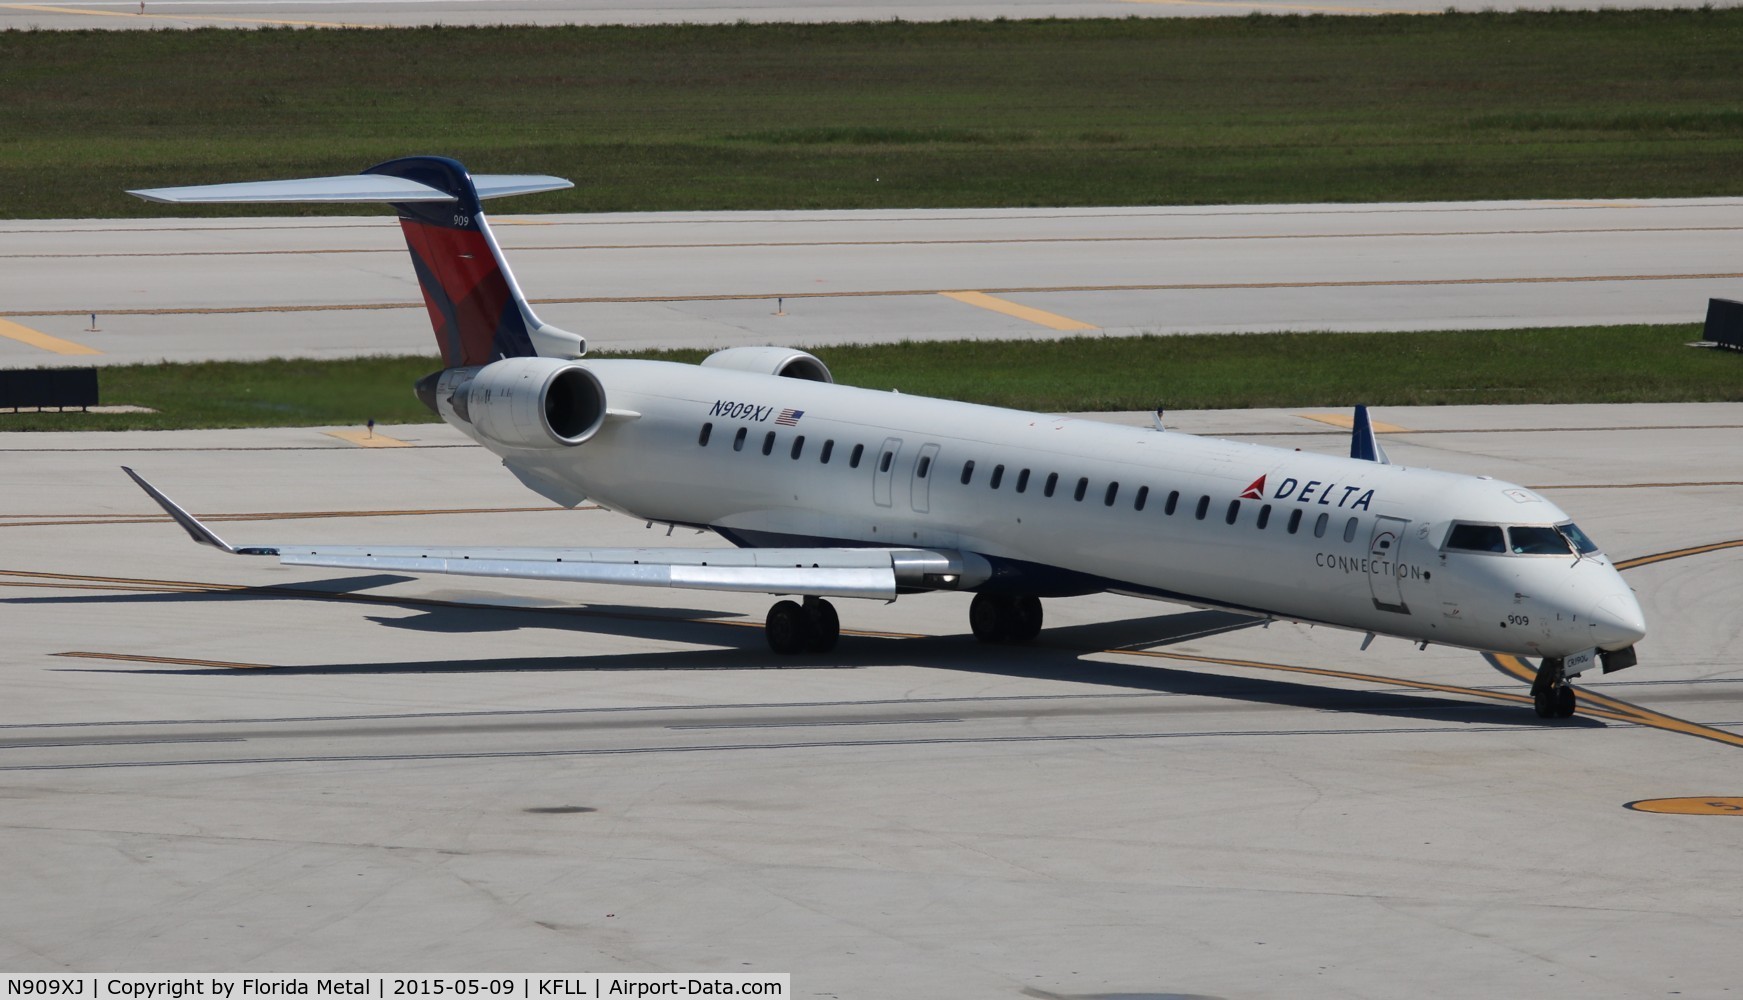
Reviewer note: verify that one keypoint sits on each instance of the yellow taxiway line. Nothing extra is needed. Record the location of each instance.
(1348, 421)
(36, 338)
(1041, 317)
(368, 439)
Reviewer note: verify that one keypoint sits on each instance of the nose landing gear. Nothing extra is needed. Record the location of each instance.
(1552, 694)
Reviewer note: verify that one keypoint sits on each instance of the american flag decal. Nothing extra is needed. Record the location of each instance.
(789, 418)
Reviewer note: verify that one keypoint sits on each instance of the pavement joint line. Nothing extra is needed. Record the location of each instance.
(36, 338)
(1418, 208)
(901, 292)
(1040, 317)
(69, 520)
(804, 244)
(1306, 8)
(50, 9)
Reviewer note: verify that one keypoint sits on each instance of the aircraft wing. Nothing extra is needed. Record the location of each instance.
(872, 573)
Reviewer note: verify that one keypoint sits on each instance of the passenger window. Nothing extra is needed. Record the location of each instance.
(1082, 488)
(798, 446)
(1476, 538)
(828, 449)
(707, 429)
(1023, 481)
(768, 442)
(1203, 508)
(925, 467)
(1535, 541)
(998, 477)
(1234, 512)
(1173, 502)
(738, 439)
(884, 463)
(858, 453)
(1294, 521)
(1143, 495)
(1113, 491)
(1052, 484)
(1319, 525)
(967, 471)
(1350, 530)
(1264, 516)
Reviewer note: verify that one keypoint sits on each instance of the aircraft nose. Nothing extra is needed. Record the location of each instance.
(1616, 622)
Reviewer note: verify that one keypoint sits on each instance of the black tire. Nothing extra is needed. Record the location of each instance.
(787, 628)
(1565, 701)
(987, 617)
(825, 625)
(1025, 618)
(1544, 703)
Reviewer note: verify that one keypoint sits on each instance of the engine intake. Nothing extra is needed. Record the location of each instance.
(532, 402)
(787, 362)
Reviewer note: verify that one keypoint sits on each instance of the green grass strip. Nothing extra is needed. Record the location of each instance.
(1145, 111)
(1605, 364)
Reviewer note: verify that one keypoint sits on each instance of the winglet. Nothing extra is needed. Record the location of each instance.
(190, 524)
(1363, 442)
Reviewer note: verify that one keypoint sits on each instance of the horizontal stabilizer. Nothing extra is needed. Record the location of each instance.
(349, 189)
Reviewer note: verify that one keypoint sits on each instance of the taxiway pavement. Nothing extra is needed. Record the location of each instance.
(184, 289)
(216, 763)
(158, 14)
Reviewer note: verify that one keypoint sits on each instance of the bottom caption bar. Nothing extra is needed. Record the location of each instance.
(239, 986)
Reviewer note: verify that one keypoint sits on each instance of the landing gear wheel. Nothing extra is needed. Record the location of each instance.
(1026, 618)
(824, 623)
(1565, 701)
(788, 628)
(1000, 618)
(1544, 704)
(986, 617)
(1552, 697)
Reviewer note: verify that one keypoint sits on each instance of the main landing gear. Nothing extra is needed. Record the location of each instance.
(1552, 694)
(1004, 618)
(793, 628)
(813, 627)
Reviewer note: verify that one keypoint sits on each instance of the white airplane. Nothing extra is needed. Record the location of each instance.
(832, 491)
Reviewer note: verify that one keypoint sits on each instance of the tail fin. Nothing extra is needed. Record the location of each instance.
(478, 311)
(1364, 443)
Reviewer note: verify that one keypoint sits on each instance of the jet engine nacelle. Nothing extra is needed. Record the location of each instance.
(529, 402)
(787, 362)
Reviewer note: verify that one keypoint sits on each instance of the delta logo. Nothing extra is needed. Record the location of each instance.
(1313, 491)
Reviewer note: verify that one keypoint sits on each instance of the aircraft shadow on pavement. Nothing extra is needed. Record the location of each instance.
(1061, 654)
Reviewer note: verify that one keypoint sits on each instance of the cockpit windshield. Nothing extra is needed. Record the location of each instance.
(1477, 538)
(1582, 544)
(1521, 539)
(1531, 540)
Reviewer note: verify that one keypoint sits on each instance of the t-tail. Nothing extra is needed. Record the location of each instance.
(475, 305)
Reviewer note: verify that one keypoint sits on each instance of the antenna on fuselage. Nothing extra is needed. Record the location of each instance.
(1156, 418)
